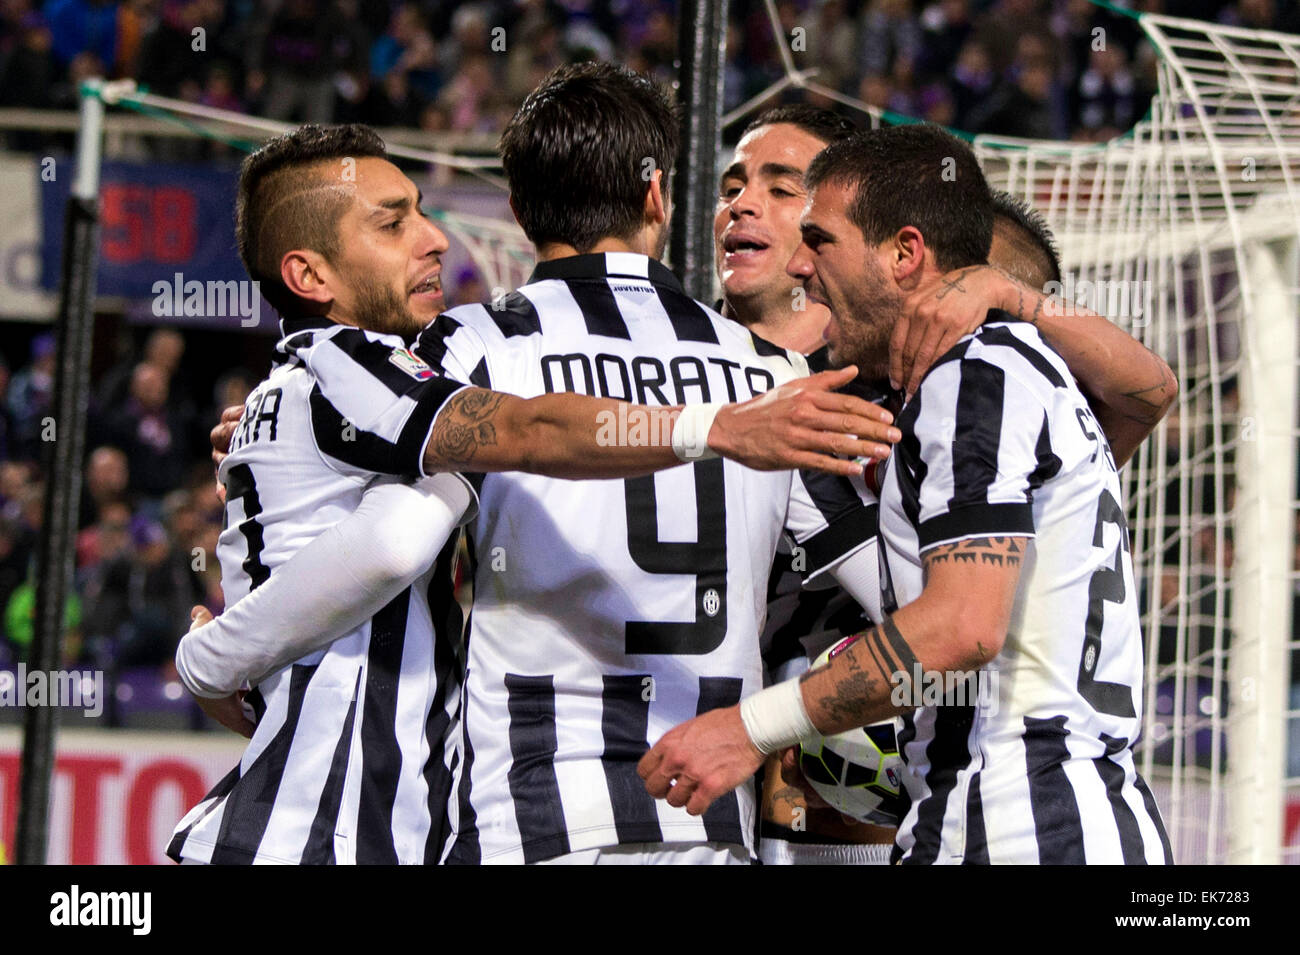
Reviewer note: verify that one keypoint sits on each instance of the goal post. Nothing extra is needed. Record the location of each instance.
(1264, 551)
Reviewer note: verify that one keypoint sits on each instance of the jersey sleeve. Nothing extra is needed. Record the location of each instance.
(452, 345)
(979, 446)
(829, 518)
(373, 404)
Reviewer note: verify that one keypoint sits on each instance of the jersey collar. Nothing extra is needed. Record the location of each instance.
(599, 265)
(293, 325)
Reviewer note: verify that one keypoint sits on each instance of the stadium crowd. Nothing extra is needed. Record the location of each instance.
(1037, 68)
(149, 516)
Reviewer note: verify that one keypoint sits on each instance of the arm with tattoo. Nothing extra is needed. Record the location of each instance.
(958, 624)
(1129, 387)
(796, 425)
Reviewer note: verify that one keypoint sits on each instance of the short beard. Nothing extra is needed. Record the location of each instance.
(864, 338)
(379, 309)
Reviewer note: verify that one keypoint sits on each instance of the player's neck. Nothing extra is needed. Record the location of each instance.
(797, 331)
(641, 244)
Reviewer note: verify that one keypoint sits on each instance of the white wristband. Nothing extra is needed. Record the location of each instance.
(776, 717)
(691, 432)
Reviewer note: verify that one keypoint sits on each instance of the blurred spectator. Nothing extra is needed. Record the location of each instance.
(31, 393)
(15, 558)
(1024, 104)
(658, 49)
(531, 55)
(164, 348)
(831, 39)
(407, 49)
(470, 96)
(1105, 98)
(152, 432)
(104, 540)
(30, 74)
(66, 93)
(392, 102)
(140, 600)
(106, 481)
(20, 623)
(945, 28)
(219, 90)
(352, 60)
(973, 80)
(136, 19)
(231, 389)
(292, 67)
(889, 32)
(1002, 25)
(468, 37)
(80, 26)
(186, 39)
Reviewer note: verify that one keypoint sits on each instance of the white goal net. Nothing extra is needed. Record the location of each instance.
(1187, 232)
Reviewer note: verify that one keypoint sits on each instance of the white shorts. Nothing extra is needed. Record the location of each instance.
(654, 853)
(781, 852)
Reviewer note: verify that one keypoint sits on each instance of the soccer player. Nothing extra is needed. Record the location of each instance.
(605, 612)
(756, 231)
(1004, 551)
(346, 761)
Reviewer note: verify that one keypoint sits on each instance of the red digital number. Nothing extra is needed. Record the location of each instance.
(173, 224)
(144, 222)
(125, 210)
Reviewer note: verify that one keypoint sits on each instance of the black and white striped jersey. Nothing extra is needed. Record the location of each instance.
(348, 763)
(804, 615)
(999, 442)
(607, 612)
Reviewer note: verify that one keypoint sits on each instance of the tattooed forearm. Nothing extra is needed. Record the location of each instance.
(848, 701)
(464, 426)
(1148, 405)
(997, 551)
(784, 805)
(872, 668)
(1033, 315)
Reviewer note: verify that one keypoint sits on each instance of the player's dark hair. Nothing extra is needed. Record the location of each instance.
(824, 124)
(916, 175)
(279, 207)
(580, 150)
(1031, 236)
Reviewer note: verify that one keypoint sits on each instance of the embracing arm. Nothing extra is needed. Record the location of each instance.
(943, 630)
(798, 424)
(328, 588)
(1128, 386)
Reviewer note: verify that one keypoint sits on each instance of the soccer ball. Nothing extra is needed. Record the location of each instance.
(858, 772)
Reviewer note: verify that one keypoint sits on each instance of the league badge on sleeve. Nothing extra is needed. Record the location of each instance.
(404, 359)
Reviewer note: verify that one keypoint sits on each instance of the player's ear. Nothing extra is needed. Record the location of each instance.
(515, 212)
(307, 275)
(908, 254)
(656, 199)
